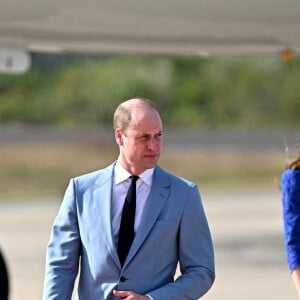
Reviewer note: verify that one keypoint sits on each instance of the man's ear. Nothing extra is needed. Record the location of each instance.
(119, 136)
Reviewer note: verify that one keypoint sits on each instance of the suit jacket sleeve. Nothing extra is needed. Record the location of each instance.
(196, 254)
(63, 251)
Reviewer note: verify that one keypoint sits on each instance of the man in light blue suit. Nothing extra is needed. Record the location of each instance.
(170, 225)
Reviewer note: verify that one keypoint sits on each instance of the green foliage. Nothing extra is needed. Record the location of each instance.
(189, 91)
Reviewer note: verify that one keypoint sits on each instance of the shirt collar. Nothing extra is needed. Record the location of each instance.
(121, 174)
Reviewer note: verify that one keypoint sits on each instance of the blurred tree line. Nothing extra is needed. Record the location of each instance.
(76, 90)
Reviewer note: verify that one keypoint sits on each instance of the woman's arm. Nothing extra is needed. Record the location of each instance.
(296, 279)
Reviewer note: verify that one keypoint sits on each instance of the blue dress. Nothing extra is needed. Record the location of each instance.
(290, 189)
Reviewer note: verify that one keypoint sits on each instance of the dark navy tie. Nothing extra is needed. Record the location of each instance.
(126, 233)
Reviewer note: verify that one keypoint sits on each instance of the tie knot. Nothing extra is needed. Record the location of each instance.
(134, 178)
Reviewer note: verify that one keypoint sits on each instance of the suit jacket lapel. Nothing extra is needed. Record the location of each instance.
(102, 206)
(158, 195)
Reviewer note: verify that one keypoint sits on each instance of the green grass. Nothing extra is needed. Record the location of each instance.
(40, 170)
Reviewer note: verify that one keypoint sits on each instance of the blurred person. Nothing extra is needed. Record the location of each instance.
(4, 280)
(169, 225)
(290, 189)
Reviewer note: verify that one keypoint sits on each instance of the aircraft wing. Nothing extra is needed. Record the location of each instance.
(167, 27)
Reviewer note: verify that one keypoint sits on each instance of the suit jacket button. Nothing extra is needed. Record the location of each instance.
(122, 279)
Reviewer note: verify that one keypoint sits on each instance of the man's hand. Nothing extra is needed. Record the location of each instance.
(129, 295)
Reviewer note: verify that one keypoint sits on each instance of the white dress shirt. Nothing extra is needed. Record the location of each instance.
(119, 192)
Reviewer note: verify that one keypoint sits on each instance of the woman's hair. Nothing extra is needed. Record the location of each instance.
(293, 162)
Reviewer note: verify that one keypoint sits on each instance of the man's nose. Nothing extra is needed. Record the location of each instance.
(153, 144)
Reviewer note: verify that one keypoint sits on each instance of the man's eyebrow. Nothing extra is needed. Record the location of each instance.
(141, 134)
(158, 132)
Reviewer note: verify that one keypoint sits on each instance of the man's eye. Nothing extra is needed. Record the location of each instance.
(148, 137)
(144, 137)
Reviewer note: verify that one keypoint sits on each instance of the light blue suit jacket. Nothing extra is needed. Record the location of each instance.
(173, 229)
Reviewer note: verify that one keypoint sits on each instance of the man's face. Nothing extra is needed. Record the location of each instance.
(141, 143)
